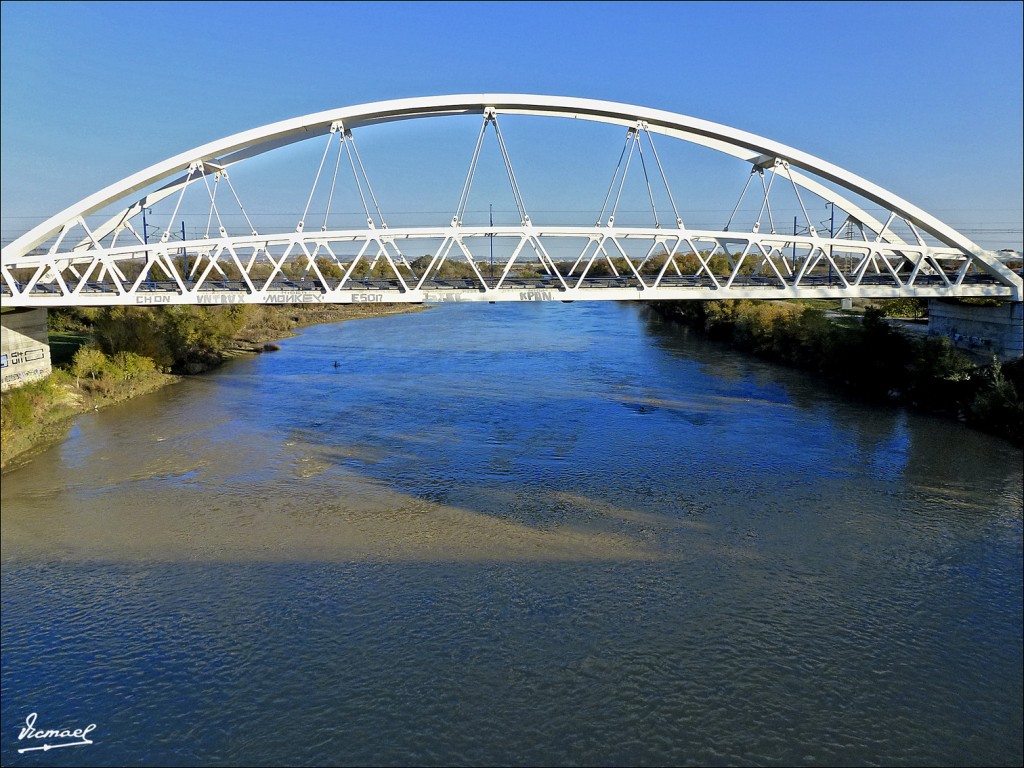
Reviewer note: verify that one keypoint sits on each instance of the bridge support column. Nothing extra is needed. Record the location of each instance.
(982, 332)
(24, 347)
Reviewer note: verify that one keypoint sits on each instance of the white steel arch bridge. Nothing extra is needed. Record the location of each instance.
(881, 246)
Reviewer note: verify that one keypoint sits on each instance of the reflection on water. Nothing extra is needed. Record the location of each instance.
(502, 534)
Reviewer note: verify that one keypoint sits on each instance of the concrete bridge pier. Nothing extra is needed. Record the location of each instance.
(24, 347)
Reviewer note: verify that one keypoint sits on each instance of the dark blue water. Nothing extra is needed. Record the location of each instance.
(552, 534)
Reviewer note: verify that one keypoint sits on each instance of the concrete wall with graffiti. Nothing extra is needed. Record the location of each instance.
(24, 347)
(983, 332)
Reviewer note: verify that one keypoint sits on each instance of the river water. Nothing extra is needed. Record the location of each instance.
(513, 534)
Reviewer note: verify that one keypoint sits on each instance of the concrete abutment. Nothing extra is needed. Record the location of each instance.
(24, 347)
(983, 332)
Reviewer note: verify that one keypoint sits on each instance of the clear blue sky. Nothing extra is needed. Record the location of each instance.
(924, 99)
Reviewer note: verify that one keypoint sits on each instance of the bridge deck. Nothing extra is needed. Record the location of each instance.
(546, 288)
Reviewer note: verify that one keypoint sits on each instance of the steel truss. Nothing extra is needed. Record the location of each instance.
(65, 262)
(602, 263)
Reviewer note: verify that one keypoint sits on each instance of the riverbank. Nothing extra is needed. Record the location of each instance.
(869, 357)
(106, 363)
(267, 323)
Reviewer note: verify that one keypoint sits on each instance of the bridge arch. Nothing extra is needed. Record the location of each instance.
(93, 254)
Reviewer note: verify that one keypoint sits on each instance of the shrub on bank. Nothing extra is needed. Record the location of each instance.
(18, 405)
(101, 372)
(906, 307)
(998, 404)
(28, 409)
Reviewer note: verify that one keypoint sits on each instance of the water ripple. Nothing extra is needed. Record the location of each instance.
(514, 536)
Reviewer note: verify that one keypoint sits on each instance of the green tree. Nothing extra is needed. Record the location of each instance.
(131, 367)
(904, 307)
(133, 329)
(88, 361)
